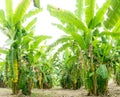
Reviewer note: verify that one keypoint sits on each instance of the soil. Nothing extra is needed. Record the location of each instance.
(114, 91)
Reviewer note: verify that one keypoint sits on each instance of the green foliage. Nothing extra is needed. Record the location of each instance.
(3, 51)
(66, 41)
(67, 17)
(43, 69)
(101, 83)
(113, 15)
(71, 71)
(89, 10)
(102, 71)
(85, 29)
(79, 8)
(80, 55)
(100, 14)
(69, 82)
(118, 74)
(88, 80)
(25, 81)
(59, 41)
(2, 17)
(20, 10)
(9, 10)
(22, 45)
(31, 13)
(31, 24)
(36, 3)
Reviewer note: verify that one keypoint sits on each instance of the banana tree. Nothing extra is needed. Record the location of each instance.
(43, 69)
(71, 71)
(30, 54)
(69, 51)
(12, 26)
(34, 59)
(112, 23)
(84, 26)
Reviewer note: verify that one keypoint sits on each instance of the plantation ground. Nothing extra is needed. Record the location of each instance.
(114, 91)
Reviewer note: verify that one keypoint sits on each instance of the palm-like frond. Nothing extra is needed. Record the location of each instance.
(67, 28)
(21, 10)
(113, 14)
(31, 13)
(115, 34)
(61, 40)
(66, 17)
(64, 42)
(37, 40)
(100, 14)
(86, 37)
(26, 39)
(80, 8)
(62, 48)
(31, 24)
(2, 17)
(116, 27)
(80, 39)
(70, 29)
(90, 10)
(9, 10)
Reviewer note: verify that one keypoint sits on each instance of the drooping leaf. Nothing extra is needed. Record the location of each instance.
(31, 13)
(68, 28)
(61, 40)
(73, 33)
(113, 14)
(62, 48)
(102, 71)
(79, 39)
(66, 17)
(71, 59)
(113, 34)
(31, 24)
(37, 40)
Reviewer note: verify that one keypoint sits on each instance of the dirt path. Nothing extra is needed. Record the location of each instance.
(114, 91)
(4, 92)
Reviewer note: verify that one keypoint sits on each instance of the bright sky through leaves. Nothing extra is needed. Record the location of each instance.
(43, 25)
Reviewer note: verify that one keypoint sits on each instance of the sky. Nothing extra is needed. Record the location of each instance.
(43, 25)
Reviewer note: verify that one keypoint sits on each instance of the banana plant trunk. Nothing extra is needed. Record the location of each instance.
(15, 80)
(93, 69)
(14, 88)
